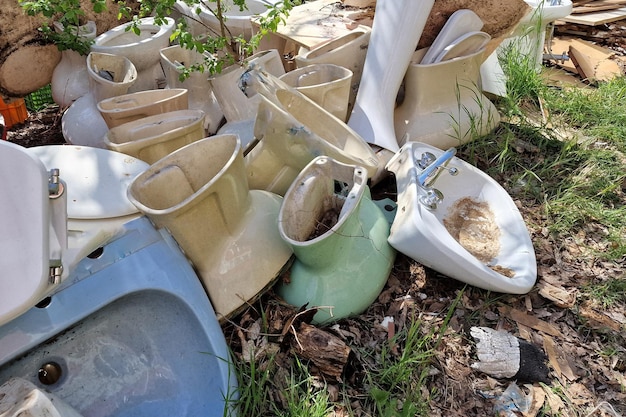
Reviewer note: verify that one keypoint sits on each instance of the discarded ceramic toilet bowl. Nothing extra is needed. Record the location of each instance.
(82, 344)
(395, 34)
(339, 239)
(87, 207)
(200, 94)
(97, 180)
(70, 80)
(142, 50)
(443, 103)
(133, 106)
(200, 194)
(457, 220)
(233, 102)
(19, 397)
(347, 51)
(239, 109)
(109, 76)
(527, 40)
(292, 130)
(154, 137)
(237, 20)
(328, 85)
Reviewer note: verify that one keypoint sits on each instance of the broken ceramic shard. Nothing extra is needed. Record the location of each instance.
(435, 188)
(339, 238)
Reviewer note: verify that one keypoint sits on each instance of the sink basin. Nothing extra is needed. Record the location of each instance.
(130, 332)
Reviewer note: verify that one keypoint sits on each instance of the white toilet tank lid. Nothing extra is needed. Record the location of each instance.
(24, 230)
(97, 179)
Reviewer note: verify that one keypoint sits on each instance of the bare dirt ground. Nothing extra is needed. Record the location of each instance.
(583, 340)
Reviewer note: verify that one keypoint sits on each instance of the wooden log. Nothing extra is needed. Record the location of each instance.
(327, 352)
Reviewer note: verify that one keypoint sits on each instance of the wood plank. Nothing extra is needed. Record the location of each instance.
(591, 9)
(597, 18)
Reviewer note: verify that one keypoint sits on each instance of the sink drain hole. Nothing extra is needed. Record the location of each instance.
(49, 373)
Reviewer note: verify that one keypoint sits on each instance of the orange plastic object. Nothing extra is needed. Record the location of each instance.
(14, 112)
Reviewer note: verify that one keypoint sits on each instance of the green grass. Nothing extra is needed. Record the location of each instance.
(577, 167)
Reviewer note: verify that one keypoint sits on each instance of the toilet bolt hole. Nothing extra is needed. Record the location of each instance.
(44, 303)
(96, 254)
(49, 373)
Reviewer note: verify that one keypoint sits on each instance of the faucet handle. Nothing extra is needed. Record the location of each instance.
(431, 198)
(425, 160)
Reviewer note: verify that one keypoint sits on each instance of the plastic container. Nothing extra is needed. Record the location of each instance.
(13, 112)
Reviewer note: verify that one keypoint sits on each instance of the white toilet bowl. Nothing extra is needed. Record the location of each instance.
(88, 212)
(328, 85)
(237, 20)
(528, 38)
(201, 95)
(461, 223)
(142, 50)
(347, 51)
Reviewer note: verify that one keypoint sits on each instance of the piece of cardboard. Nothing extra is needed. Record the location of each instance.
(590, 61)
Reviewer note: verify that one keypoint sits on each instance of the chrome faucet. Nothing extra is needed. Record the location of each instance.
(432, 168)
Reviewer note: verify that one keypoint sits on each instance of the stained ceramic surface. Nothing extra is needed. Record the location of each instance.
(476, 214)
